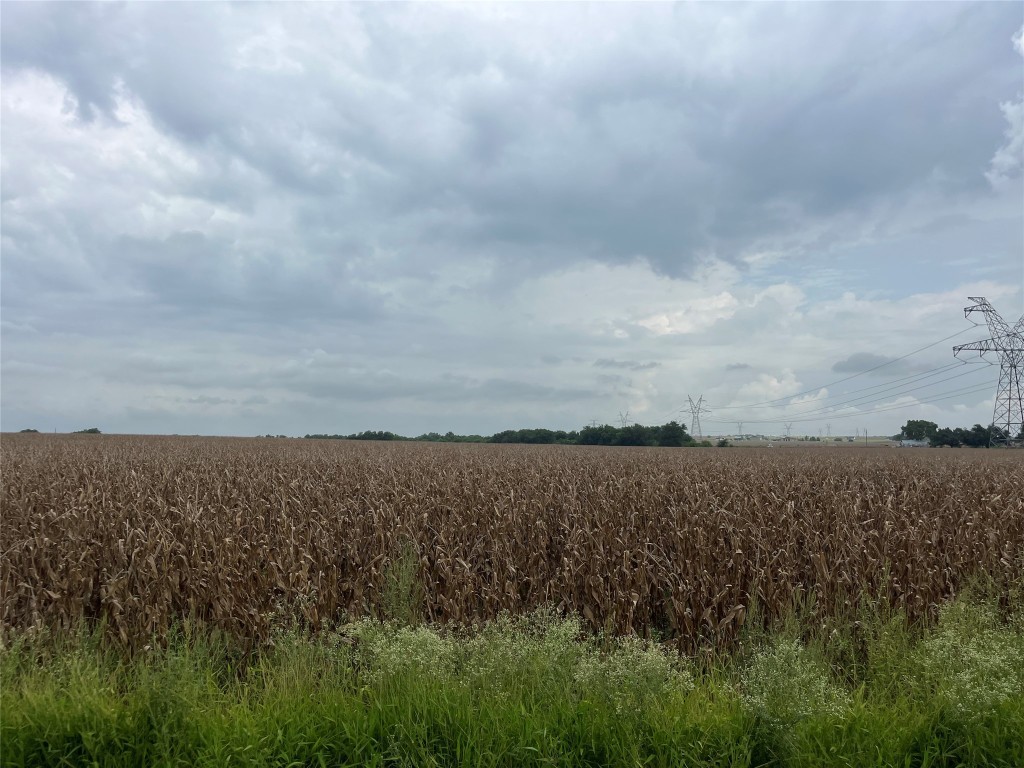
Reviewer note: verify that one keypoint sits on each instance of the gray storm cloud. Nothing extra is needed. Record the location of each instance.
(497, 206)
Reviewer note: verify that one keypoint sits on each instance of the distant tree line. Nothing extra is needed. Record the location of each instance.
(975, 437)
(89, 431)
(671, 435)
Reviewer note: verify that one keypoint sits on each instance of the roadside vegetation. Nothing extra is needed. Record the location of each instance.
(206, 601)
(527, 691)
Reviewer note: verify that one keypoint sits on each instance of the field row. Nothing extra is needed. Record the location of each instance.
(249, 534)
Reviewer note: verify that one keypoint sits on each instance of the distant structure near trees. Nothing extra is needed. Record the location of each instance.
(1006, 344)
(696, 409)
(920, 433)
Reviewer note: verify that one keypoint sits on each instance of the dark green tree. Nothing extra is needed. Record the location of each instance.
(919, 429)
(673, 435)
(637, 434)
(602, 435)
(946, 436)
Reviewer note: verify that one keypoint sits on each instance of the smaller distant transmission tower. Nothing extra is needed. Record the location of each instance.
(623, 419)
(789, 430)
(696, 409)
(1007, 345)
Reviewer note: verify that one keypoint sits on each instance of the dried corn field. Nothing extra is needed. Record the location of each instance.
(245, 535)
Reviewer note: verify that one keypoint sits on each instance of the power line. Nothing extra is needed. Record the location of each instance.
(827, 410)
(871, 399)
(972, 389)
(949, 396)
(853, 376)
(920, 376)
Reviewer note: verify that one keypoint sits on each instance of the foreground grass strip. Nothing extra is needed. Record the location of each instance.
(529, 691)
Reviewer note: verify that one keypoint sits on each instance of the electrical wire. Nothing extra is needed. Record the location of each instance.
(920, 376)
(853, 376)
(871, 399)
(969, 390)
(949, 396)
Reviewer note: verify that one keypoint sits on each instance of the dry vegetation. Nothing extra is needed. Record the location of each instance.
(248, 534)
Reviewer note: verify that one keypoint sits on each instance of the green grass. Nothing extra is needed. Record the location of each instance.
(532, 691)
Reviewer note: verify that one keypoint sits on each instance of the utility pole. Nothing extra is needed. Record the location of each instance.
(696, 409)
(593, 423)
(829, 430)
(1007, 345)
(739, 429)
(789, 429)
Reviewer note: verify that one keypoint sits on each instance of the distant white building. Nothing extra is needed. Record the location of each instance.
(914, 443)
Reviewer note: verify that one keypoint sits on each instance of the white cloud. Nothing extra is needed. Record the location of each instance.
(698, 315)
(1008, 160)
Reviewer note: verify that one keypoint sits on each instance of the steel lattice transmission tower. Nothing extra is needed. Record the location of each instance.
(696, 409)
(1006, 344)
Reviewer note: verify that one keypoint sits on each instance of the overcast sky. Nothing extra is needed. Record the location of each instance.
(289, 218)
